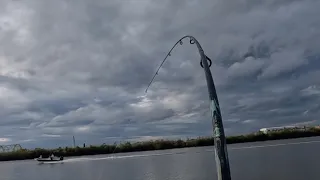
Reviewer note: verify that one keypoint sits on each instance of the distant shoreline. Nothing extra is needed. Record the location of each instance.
(26, 154)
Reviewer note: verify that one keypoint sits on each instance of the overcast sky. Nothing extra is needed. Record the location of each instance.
(79, 67)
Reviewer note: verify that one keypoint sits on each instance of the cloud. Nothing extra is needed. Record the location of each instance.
(4, 140)
(48, 135)
(80, 68)
(246, 68)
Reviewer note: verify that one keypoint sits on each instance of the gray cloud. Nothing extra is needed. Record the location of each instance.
(80, 68)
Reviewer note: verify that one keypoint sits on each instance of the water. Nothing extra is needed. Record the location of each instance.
(277, 160)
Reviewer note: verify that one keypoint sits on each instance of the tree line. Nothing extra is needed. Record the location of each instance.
(155, 145)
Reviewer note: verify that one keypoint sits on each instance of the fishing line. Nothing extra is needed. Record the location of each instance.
(191, 41)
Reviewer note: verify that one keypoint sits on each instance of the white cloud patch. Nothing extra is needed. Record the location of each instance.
(248, 67)
(48, 135)
(4, 140)
(311, 90)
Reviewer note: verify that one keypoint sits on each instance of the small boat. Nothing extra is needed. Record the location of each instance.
(52, 158)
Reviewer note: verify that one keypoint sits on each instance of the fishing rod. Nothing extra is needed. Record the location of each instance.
(221, 154)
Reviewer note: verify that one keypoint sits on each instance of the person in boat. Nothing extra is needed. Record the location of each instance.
(51, 157)
(40, 156)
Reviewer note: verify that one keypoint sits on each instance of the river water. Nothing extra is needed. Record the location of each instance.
(293, 159)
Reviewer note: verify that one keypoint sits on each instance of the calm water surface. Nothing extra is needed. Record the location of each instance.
(277, 160)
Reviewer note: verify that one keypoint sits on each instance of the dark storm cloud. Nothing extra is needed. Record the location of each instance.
(80, 68)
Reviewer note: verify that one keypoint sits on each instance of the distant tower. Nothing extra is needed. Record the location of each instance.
(74, 142)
